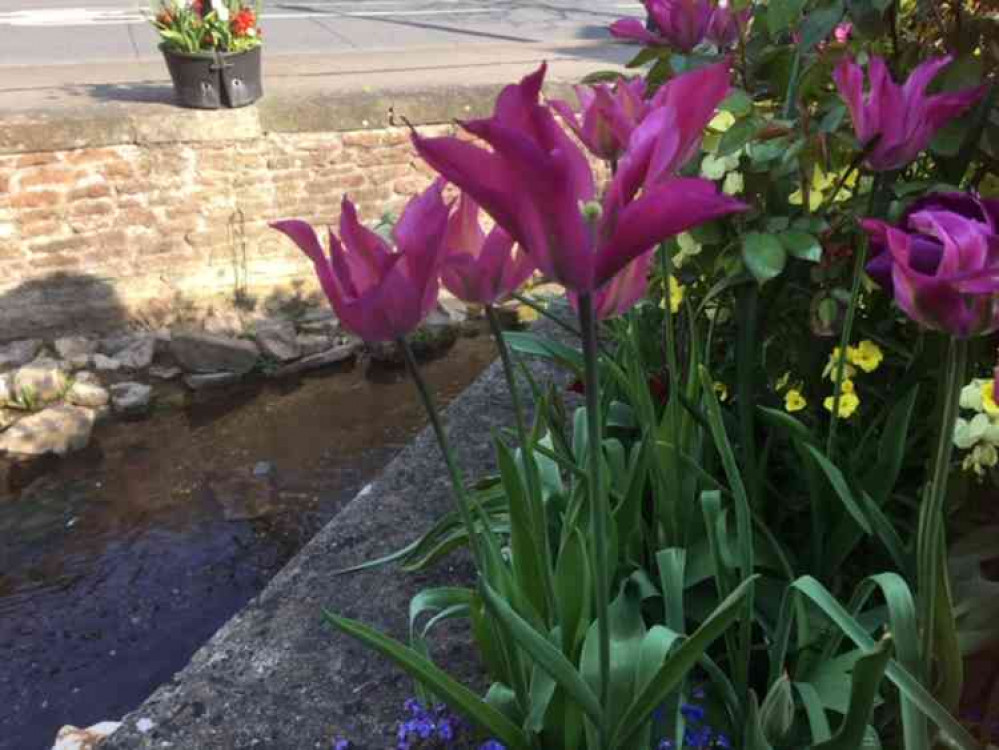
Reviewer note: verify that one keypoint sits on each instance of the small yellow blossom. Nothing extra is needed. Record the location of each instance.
(794, 401)
(782, 381)
(848, 386)
(983, 456)
(866, 355)
(848, 403)
(722, 390)
(833, 364)
(676, 293)
(988, 399)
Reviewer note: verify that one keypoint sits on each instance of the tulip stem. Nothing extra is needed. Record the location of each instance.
(931, 542)
(598, 511)
(530, 468)
(457, 481)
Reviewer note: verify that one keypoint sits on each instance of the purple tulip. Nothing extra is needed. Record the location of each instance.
(904, 118)
(379, 293)
(843, 32)
(538, 185)
(944, 263)
(609, 115)
(680, 24)
(725, 26)
(477, 267)
(621, 293)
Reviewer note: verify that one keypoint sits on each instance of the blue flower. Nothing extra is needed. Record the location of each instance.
(341, 744)
(692, 713)
(492, 745)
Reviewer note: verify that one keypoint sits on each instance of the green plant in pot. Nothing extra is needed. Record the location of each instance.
(212, 49)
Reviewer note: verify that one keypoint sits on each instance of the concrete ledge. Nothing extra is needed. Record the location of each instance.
(274, 677)
(50, 110)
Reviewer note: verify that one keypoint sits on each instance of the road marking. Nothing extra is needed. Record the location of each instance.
(66, 17)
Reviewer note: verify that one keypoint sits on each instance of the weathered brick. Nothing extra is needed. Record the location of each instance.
(36, 160)
(68, 244)
(99, 207)
(93, 190)
(37, 199)
(45, 228)
(49, 176)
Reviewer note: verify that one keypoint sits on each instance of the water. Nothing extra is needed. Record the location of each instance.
(118, 562)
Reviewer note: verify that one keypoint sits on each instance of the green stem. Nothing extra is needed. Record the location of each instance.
(457, 481)
(931, 539)
(598, 511)
(540, 517)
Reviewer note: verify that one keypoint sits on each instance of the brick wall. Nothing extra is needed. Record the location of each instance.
(93, 235)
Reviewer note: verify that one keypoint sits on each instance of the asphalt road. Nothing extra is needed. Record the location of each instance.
(53, 32)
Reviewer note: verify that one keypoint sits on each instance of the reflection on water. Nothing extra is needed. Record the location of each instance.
(117, 563)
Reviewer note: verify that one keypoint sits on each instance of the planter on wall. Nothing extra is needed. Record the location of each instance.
(210, 80)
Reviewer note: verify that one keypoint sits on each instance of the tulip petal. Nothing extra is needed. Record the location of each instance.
(849, 79)
(621, 293)
(632, 30)
(660, 212)
(303, 235)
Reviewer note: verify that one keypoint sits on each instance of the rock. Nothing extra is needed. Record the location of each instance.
(19, 353)
(244, 497)
(312, 343)
(7, 393)
(209, 380)
(227, 323)
(337, 354)
(263, 469)
(455, 310)
(131, 398)
(78, 362)
(164, 373)
(58, 429)
(41, 381)
(203, 352)
(114, 343)
(69, 347)
(74, 738)
(318, 321)
(87, 394)
(139, 354)
(277, 339)
(106, 364)
(87, 377)
(9, 417)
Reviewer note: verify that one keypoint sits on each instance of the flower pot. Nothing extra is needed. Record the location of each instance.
(208, 80)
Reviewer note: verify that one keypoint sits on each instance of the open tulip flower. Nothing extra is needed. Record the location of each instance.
(944, 263)
(903, 118)
(538, 185)
(609, 115)
(477, 267)
(683, 24)
(380, 293)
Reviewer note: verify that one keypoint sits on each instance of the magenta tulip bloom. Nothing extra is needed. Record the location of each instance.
(680, 24)
(379, 293)
(904, 118)
(945, 264)
(538, 185)
(480, 268)
(621, 293)
(609, 115)
(725, 26)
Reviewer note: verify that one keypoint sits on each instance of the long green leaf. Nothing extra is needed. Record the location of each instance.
(545, 655)
(842, 489)
(908, 685)
(678, 665)
(444, 686)
(867, 675)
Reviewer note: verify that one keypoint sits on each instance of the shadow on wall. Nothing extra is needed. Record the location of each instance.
(157, 92)
(60, 303)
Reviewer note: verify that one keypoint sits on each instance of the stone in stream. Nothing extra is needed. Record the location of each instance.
(40, 381)
(277, 339)
(58, 429)
(131, 398)
(78, 361)
(69, 347)
(88, 377)
(19, 353)
(337, 354)
(164, 372)
(312, 343)
(74, 738)
(208, 380)
(105, 363)
(9, 417)
(244, 497)
(87, 394)
(139, 354)
(204, 352)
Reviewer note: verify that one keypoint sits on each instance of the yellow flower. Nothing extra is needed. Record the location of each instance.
(722, 390)
(676, 292)
(988, 398)
(794, 401)
(848, 403)
(833, 364)
(866, 355)
(847, 386)
(982, 457)
(782, 381)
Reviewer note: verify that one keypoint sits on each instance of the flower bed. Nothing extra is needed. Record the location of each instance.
(779, 295)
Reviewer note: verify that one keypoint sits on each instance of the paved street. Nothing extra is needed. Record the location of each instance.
(46, 32)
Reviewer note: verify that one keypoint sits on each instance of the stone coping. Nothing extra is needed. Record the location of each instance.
(275, 677)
